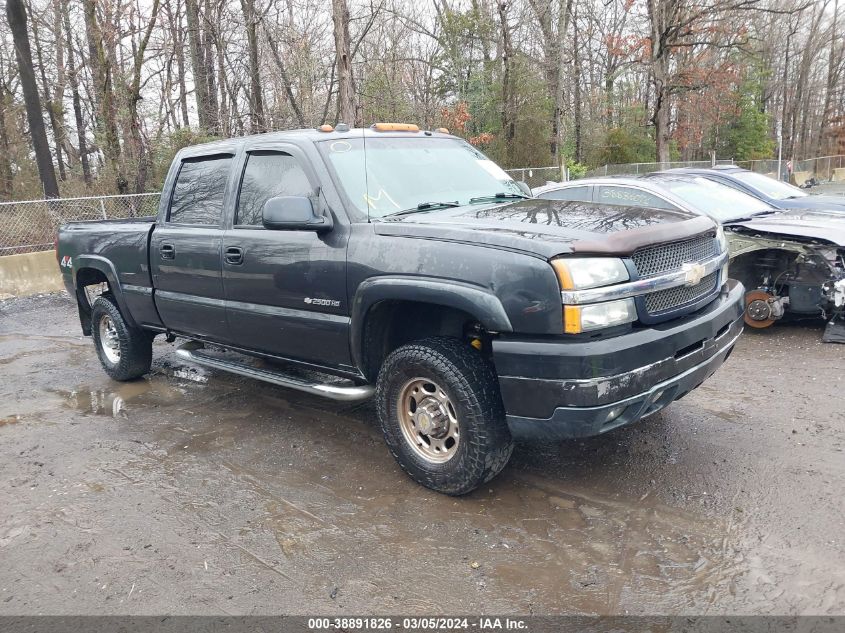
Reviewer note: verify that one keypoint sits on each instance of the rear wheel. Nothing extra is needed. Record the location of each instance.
(442, 415)
(125, 352)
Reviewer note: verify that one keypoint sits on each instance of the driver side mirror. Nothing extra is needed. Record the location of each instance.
(293, 213)
(525, 188)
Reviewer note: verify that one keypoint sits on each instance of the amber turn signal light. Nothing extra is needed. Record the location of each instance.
(563, 275)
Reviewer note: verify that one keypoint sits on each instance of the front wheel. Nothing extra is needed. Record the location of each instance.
(125, 352)
(442, 415)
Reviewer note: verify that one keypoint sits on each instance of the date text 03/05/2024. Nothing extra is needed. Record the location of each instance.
(418, 623)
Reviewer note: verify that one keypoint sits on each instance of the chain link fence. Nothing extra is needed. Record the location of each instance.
(823, 168)
(30, 226)
(633, 169)
(537, 176)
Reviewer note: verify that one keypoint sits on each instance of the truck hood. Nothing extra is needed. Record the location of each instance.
(825, 226)
(550, 227)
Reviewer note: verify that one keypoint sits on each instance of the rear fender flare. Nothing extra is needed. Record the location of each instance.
(103, 265)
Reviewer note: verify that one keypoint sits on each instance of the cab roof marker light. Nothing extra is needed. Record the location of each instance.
(325, 128)
(442, 130)
(396, 127)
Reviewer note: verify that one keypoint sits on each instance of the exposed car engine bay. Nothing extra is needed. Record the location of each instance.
(792, 278)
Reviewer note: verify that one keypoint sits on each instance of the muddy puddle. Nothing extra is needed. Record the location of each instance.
(120, 398)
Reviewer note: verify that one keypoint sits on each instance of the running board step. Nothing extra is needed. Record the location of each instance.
(194, 352)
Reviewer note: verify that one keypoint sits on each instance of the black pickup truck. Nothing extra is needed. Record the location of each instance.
(405, 265)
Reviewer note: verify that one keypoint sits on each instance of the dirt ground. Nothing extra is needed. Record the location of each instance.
(204, 493)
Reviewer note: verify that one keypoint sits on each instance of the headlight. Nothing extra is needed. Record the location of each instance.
(589, 272)
(721, 238)
(595, 316)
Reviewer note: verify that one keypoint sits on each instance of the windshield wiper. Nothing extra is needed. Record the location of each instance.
(498, 196)
(424, 206)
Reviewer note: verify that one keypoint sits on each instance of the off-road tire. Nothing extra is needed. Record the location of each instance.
(136, 345)
(469, 380)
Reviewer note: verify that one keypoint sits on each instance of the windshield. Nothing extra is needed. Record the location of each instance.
(403, 172)
(769, 187)
(718, 201)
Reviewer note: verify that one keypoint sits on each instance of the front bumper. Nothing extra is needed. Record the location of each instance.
(563, 389)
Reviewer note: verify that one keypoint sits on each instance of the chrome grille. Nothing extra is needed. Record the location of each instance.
(656, 260)
(672, 298)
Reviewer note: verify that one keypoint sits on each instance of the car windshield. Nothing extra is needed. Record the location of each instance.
(720, 202)
(404, 172)
(769, 187)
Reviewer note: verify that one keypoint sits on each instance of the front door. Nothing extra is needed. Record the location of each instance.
(285, 290)
(186, 250)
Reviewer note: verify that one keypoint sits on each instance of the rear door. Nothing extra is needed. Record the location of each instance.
(186, 249)
(285, 290)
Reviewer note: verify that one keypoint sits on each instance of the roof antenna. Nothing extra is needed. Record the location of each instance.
(366, 174)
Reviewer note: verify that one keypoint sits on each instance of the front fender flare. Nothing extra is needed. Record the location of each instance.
(479, 302)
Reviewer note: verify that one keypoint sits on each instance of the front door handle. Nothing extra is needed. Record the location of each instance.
(168, 251)
(234, 255)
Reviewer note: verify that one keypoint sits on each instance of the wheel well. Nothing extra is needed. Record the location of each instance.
(90, 283)
(752, 268)
(391, 324)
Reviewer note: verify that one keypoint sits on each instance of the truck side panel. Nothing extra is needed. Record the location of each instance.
(118, 249)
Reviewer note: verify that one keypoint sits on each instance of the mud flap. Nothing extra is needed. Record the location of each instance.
(834, 332)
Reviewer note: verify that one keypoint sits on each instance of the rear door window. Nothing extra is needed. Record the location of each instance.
(268, 175)
(199, 191)
(581, 194)
(629, 196)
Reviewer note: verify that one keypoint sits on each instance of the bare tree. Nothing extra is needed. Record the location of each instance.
(347, 106)
(16, 16)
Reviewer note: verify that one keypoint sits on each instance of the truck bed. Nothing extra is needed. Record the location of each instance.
(120, 245)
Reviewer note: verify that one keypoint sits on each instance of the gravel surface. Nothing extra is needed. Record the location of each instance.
(200, 492)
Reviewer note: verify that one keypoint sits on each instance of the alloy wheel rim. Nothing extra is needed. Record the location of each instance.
(109, 340)
(428, 420)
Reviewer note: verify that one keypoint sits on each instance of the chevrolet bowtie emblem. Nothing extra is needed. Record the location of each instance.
(693, 273)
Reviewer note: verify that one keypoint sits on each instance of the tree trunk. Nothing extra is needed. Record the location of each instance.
(507, 113)
(208, 52)
(50, 104)
(576, 86)
(101, 69)
(16, 16)
(73, 80)
(198, 65)
(6, 179)
(134, 96)
(343, 48)
(659, 67)
(256, 101)
(285, 79)
(830, 84)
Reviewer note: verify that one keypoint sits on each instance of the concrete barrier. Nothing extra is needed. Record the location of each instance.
(839, 174)
(798, 178)
(29, 274)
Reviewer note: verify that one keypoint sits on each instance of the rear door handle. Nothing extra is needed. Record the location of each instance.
(168, 251)
(234, 255)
